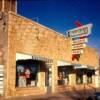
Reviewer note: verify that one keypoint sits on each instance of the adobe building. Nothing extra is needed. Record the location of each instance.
(35, 60)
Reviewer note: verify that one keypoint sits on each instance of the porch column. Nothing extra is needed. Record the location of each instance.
(97, 78)
(93, 79)
(54, 75)
(41, 79)
(84, 78)
(72, 79)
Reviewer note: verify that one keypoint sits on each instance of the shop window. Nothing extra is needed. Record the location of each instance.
(90, 72)
(89, 79)
(63, 75)
(28, 70)
(79, 77)
(27, 73)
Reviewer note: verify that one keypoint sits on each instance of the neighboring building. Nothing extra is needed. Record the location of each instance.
(35, 58)
(8, 5)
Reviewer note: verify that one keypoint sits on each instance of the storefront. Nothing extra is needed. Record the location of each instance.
(63, 74)
(27, 72)
(65, 71)
(38, 60)
(29, 67)
(80, 76)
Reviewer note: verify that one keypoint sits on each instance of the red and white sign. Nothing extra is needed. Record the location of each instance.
(78, 46)
(77, 51)
(83, 30)
(79, 41)
(79, 38)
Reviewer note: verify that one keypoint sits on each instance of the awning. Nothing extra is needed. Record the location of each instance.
(79, 66)
(20, 56)
(47, 60)
(62, 63)
(90, 67)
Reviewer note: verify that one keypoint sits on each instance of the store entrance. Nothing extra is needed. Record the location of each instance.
(48, 79)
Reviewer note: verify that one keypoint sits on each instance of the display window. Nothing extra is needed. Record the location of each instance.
(27, 73)
(81, 72)
(89, 79)
(79, 77)
(63, 75)
(89, 75)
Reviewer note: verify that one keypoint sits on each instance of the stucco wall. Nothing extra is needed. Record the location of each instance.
(26, 36)
(3, 36)
(89, 57)
(33, 38)
(36, 39)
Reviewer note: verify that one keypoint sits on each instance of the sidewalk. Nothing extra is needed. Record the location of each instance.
(60, 96)
(73, 95)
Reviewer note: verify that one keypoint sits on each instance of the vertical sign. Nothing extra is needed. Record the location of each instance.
(79, 39)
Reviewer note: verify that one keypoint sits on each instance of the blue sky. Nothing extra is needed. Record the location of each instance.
(61, 15)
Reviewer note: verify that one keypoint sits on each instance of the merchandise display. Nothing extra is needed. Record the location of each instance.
(27, 74)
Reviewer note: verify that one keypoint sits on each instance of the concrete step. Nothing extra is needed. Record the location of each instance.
(1, 94)
(1, 82)
(1, 66)
(1, 85)
(2, 70)
(1, 78)
(1, 74)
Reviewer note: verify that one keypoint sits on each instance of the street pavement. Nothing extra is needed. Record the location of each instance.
(68, 95)
(59, 96)
(46, 97)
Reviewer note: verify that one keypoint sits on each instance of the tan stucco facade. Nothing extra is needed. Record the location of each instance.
(22, 35)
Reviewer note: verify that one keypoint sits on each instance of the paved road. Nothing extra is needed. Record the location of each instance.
(60, 96)
(46, 97)
(68, 95)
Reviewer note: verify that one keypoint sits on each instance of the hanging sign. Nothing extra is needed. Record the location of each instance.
(79, 39)
(78, 46)
(84, 30)
(80, 51)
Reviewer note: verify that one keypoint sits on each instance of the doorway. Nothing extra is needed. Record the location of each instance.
(48, 80)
